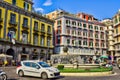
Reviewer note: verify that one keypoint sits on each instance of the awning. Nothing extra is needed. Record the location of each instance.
(103, 56)
(5, 56)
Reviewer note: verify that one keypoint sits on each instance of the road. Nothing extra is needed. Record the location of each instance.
(12, 76)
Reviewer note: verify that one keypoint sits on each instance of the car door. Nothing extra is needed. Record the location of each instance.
(27, 68)
(35, 69)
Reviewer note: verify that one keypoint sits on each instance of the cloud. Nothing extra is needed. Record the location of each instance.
(48, 3)
(39, 9)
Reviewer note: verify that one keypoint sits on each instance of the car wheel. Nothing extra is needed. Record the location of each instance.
(21, 73)
(44, 75)
(4, 77)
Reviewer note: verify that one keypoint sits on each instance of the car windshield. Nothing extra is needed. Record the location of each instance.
(43, 64)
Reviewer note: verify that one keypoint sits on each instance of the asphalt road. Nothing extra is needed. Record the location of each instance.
(12, 76)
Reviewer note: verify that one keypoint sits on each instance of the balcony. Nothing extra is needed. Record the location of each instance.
(49, 33)
(13, 23)
(42, 31)
(25, 26)
(1, 20)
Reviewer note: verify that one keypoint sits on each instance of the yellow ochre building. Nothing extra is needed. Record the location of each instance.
(24, 34)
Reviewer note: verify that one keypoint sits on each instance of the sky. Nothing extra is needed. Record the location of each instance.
(100, 9)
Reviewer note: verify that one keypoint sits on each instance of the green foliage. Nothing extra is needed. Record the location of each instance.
(60, 67)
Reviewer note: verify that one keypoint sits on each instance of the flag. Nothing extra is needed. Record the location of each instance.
(9, 34)
(13, 40)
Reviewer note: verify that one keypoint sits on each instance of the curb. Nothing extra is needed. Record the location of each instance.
(87, 74)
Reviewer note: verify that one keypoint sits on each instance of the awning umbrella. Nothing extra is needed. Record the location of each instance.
(103, 56)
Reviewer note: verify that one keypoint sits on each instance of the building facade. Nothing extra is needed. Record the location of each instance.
(116, 25)
(24, 34)
(81, 33)
(110, 37)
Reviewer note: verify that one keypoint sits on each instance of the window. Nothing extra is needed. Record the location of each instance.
(79, 42)
(116, 30)
(26, 6)
(97, 44)
(68, 31)
(96, 27)
(101, 28)
(102, 44)
(102, 36)
(26, 64)
(0, 13)
(48, 41)
(96, 35)
(73, 23)
(73, 42)
(0, 32)
(85, 42)
(25, 22)
(85, 34)
(58, 31)
(67, 21)
(12, 18)
(59, 22)
(68, 41)
(72, 31)
(79, 24)
(43, 27)
(36, 25)
(35, 39)
(34, 65)
(13, 2)
(115, 20)
(11, 34)
(79, 33)
(90, 27)
(58, 40)
(24, 37)
(42, 41)
(49, 29)
(91, 34)
(90, 43)
(84, 25)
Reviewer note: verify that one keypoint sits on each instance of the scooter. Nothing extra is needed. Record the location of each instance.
(3, 75)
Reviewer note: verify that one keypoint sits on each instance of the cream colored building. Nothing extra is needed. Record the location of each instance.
(116, 24)
(110, 36)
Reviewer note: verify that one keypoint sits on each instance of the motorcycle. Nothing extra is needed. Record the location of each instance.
(3, 75)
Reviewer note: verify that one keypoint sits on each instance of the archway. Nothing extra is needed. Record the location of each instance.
(11, 52)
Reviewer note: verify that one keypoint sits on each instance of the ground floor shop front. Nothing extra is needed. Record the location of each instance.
(21, 51)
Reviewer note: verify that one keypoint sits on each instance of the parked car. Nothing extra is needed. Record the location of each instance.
(37, 69)
(3, 75)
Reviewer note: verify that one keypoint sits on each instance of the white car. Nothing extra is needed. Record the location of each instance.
(37, 69)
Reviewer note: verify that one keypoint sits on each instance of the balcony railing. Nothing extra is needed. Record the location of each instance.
(42, 30)
(36, 29)
(14, 23)
(25, 26)
(49, 32)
